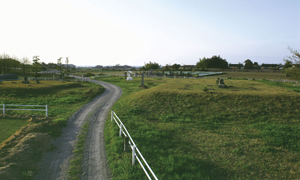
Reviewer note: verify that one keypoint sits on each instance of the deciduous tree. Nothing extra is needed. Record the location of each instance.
(248, 64)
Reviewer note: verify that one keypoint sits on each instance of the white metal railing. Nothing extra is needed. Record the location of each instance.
(135, 150)
(5, 108)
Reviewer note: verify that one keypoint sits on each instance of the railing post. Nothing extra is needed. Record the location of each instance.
(133, 154)
(111, 114)
(3, 108)
(121, 125)
(46, 110)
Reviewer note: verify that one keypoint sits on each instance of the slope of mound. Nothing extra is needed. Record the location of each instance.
(248, 130)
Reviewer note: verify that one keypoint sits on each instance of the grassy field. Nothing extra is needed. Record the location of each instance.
(248, 75)
(10, 126)
(63, 100)
(191, 129)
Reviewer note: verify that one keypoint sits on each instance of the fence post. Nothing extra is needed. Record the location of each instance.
(46, 110)
(133, 154)
(3, 108)
(111, 114)
(121, 125)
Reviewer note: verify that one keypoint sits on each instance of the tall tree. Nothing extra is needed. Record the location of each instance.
(202, 64)
(36, 66)
(248, 64)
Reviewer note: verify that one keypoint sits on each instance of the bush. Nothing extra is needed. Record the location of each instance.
(89, 74)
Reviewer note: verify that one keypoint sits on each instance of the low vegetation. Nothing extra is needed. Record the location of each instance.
(75, 169)
(35, 132)
(249, 130)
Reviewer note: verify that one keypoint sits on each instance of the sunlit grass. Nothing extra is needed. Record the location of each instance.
(249, 130)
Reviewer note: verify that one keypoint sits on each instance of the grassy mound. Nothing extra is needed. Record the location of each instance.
(249, 130)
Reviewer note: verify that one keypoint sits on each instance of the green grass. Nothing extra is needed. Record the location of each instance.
(75, 169)
(10, 126)
(63, 100)
(249, 130)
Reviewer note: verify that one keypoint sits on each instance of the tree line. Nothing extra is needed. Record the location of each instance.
(10, 64)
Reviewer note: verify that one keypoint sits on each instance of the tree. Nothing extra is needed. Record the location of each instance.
(36, 66)
(213, 62)
(150, 65)
(294, 58)
(255, 65)
(8, 64)
(202, 64)
(248, 64)
(175, 66)
(287, 64)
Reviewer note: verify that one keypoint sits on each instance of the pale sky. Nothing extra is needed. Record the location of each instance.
(134, 32)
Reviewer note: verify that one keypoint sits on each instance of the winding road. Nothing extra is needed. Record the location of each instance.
(56, 163)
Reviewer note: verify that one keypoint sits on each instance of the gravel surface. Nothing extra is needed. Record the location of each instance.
(95, 166)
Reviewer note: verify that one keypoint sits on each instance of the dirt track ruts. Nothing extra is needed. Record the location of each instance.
(95, 166)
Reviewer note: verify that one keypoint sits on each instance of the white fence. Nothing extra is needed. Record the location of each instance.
(135, 151)
(15, 105)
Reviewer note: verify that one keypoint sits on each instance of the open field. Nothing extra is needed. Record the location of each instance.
(248, 75)
(10, 126)
(191, 129)
(255, 75)
(31, 136)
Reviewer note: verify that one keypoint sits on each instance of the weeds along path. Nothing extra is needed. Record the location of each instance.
(56, 163)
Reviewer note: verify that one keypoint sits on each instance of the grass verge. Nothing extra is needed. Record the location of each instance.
(75, 169)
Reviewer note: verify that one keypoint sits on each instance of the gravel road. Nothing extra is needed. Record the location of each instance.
(95, 166)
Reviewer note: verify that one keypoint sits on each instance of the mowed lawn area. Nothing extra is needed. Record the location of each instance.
(191, 129)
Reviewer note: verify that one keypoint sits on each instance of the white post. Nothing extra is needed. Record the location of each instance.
(120, 133)
(3, 108)
(46, 110)
(133, 154)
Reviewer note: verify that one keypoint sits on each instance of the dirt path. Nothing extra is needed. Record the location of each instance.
(95, 166)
